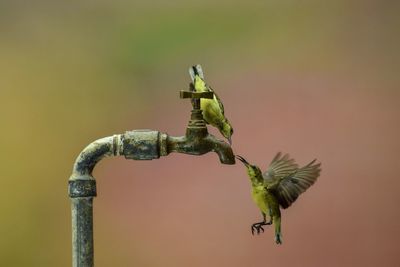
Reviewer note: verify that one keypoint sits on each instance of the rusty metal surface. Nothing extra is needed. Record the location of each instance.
(141, 145)
(93, 153)
(137, 145)
(82, 232)
(82, 188)
(190, 94)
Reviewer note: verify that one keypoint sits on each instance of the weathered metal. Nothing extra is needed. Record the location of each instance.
(141, 145)
(137, 145)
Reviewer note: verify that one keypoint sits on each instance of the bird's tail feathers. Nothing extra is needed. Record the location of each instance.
(278, 234)
(278, 238)
(196, 70)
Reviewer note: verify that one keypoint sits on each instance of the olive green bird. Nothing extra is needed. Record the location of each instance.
(280, 186)
(213, 109)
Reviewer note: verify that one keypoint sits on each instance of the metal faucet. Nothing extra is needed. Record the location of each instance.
(197, 140)
(137, 145)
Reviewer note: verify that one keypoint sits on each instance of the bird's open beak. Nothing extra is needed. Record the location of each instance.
(242, 160)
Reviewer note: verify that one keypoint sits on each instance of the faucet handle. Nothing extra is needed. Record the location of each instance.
(195, 95)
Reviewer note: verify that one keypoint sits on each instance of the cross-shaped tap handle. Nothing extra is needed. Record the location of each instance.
(195, 96)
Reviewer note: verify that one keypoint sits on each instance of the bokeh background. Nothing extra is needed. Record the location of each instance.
(312, 78)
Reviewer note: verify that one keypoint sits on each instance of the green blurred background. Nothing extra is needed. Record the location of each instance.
(313, 78)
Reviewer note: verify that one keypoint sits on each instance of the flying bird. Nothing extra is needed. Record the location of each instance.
(279, 186)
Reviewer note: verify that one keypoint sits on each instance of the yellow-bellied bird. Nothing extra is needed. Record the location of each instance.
(280, 186)
(213, 110)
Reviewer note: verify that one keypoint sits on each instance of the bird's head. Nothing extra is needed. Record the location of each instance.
(227, 130)
(252, 170)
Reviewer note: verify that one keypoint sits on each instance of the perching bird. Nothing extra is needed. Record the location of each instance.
(213, 110)
(280, 185)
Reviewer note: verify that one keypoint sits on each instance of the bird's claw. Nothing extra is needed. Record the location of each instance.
(257, 227)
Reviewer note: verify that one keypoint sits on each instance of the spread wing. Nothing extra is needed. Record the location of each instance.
(291, 181)
(279, 168)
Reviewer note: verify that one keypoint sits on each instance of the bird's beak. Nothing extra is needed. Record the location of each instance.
(242, 160)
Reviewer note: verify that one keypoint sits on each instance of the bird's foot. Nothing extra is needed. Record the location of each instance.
(258, 227)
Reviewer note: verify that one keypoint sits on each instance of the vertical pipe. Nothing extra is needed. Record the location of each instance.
(139, 145)
(81, 192)
(82, 232)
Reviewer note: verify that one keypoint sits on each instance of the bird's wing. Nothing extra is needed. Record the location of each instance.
(221, 106)
(291, 186)
(279, 168)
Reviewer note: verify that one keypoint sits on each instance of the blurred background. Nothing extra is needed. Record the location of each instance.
(317, 79)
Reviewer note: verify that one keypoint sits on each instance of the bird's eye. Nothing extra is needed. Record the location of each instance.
(231, 131)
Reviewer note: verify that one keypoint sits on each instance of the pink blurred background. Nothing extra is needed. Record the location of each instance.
(317, 79)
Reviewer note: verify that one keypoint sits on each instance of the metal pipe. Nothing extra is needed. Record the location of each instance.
(138, 145)
(82, 189)
(93, 153)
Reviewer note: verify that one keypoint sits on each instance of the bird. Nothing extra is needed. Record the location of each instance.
(279, 186)
(213, 109)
